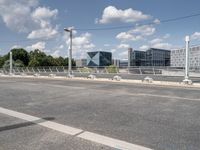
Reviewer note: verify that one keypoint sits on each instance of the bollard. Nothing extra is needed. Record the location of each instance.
(117, 78)
(91, 76)
(148, 80)
(52, 75)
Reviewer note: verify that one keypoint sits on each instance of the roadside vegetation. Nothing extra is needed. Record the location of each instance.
(22, 58)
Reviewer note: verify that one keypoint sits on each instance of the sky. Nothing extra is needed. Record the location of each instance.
(39, 24)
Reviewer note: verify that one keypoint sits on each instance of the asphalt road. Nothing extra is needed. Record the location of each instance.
(156, 117)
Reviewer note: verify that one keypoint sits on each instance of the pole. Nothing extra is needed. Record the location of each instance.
(11, 63)
(187, 59)
(187, 40)
(130, 50)
(70, 55)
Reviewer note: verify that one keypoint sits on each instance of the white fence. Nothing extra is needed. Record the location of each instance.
(165, 71)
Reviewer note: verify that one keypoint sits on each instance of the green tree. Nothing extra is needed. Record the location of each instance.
(36, 58)
(2, 60)
(20, 54)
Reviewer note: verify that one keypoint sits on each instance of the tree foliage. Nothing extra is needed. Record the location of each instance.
(22, 58)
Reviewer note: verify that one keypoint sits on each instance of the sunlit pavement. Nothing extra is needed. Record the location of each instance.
(154, 117)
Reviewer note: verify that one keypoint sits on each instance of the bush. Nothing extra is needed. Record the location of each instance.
(85, 70)
(112, 69)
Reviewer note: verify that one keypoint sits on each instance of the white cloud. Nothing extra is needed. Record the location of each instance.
(43, 13)
(123, 46)
(123, 55)
(16, 14)
(39, 45)
(162, 45)
(112, 14)
(195, 36)
(156, 21)
(126, 36)
(113, 50)
(166, 36)
(56, 53)
(26, 16)
(43, 33)
(61, 46)
(136, 34)
(81, 44)
(145, 30)
(43, 16)
(155, 41)
(16, 46)
(158, 43)
(144, 47)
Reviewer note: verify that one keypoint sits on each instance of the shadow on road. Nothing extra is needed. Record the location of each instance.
(25, 124)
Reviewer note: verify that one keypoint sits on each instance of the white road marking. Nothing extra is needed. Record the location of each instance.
(93, 137)
(164, 96)
(110, 141)
(48, 124)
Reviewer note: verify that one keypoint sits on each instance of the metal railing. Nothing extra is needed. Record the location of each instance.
(166, 71)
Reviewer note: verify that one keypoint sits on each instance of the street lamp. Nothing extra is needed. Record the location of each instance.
(69, 53)
(187, 61)
(11, 63)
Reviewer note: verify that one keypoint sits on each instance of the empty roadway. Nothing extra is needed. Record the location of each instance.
(156, 117)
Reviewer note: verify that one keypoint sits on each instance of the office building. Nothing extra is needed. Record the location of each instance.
(151, 57)
(130, 52)
(157, 57)
(138, 58)
(123, 63)
(81, 62)
(116, 62)
(99, 58)
(178, 57)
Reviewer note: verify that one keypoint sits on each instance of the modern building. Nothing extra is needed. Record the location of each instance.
(138, 58)
(178, 57)
(157, 57)
(116, 62)
(81, 62)
(151, 57)
(99, 58)
(130, 59)
(123, 63)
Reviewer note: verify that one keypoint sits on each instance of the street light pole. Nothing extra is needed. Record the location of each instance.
(11, 63)
(187, 64)
(70, 53)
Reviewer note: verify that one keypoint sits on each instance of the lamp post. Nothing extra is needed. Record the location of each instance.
(11, 63)
(187, 64)
(69, 53)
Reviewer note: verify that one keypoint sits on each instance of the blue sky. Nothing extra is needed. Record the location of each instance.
(39, 24)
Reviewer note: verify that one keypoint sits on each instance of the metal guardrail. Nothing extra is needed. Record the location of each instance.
(166, 71)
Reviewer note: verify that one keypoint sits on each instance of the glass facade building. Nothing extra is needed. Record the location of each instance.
(99, 58)
(157, 57)
(138, 58)
(151, 57)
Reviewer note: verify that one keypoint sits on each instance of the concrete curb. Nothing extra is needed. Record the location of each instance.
(159, 83)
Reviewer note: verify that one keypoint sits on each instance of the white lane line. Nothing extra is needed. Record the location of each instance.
(118, 144)
(93, 137)
(164, 96)
(47, 124)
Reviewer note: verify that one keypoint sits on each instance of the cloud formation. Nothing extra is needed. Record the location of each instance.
(136, 34)
(112, 14)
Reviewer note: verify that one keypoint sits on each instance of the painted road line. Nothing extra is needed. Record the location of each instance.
(47, 124)
(93, 137)
(118, 144)
(61, 128)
